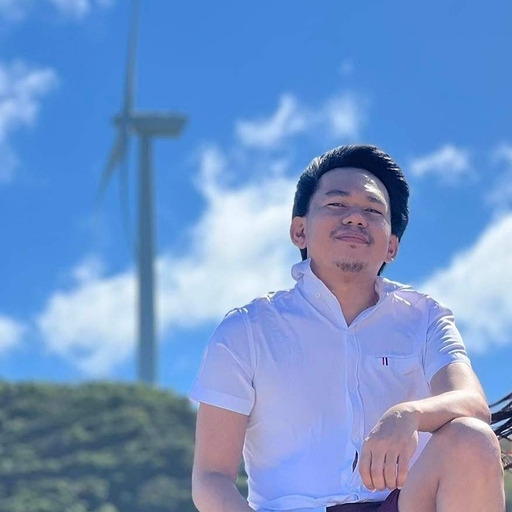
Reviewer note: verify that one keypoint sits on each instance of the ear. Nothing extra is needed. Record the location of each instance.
(298, 232)
(392, 249)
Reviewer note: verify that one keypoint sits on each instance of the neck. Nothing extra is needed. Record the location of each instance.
(355, 291)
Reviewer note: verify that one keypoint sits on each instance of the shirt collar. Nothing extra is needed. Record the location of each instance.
(302, 273)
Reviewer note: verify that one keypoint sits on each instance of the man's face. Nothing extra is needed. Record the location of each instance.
(348, 224)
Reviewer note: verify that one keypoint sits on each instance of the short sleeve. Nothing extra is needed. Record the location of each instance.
(444, 341)
(225, 377)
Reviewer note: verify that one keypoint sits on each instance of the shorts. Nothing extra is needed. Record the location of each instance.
(389, 505)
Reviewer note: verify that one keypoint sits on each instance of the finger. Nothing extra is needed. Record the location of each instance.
(377, 472)
(390, 471)
(365, 463)
(402, 471)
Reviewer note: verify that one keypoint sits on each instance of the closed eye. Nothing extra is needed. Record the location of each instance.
(373, 210)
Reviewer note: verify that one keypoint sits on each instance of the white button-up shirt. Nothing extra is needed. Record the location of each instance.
(313, 387)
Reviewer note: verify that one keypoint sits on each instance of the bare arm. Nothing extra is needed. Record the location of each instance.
(218, 451)
(456, 393)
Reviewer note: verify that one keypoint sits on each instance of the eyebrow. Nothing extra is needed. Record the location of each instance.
(370, 197)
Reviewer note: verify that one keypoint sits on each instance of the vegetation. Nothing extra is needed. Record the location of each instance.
(508, 490)
(506, 446)
(100, 447)
(94, 448)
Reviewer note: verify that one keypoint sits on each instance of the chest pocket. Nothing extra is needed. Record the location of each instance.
(399, 365)
(397, 379)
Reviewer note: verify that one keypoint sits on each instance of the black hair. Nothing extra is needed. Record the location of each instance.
(369, 158)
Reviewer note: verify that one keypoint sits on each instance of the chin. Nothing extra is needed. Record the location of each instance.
(352, 266)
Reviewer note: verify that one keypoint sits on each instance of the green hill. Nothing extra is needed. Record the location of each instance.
(94, 448)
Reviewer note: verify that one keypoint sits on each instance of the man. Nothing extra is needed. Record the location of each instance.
(349, 392)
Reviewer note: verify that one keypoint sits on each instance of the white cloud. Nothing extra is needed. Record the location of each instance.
(344, 115)
(92, 324)
(448, 163)
(239, 249)
(22, 89)
(89, 270)
(340, 116)
(288, 120)
(16, 10)
(500, 195)
(503, 152)
(11, 333)
(476, 286)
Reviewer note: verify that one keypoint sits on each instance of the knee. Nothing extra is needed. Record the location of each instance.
(471, 441)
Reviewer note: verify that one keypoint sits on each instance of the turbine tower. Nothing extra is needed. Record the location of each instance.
(146, 125)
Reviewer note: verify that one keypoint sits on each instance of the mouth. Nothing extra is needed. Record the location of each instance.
(352, 238)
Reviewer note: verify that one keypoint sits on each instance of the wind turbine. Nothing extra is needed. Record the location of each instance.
(147, 125)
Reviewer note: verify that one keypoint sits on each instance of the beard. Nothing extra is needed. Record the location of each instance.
(352, 266)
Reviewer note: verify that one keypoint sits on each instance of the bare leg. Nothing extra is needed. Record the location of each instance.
(458, 471)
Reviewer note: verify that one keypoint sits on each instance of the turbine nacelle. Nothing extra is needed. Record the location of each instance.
(152, 124)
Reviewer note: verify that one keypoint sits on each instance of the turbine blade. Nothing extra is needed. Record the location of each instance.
(129, 86)
(118, 153)
(113, 159)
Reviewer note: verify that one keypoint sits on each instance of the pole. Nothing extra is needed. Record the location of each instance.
(146, 275)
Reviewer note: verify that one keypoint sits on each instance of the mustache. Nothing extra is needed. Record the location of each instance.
(340, 231)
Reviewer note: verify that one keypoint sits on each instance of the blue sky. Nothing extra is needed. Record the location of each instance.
(266, 86)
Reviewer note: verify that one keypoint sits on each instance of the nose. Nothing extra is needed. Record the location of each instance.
(355, 217)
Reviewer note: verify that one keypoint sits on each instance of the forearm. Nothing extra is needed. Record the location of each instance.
(216, 492)
(434, 412)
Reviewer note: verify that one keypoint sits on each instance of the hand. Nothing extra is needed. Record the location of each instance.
(388, 449)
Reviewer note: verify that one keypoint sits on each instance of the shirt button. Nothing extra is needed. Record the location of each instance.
(318, 295)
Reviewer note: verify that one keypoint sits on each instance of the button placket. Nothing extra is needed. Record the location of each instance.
(355, 398)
